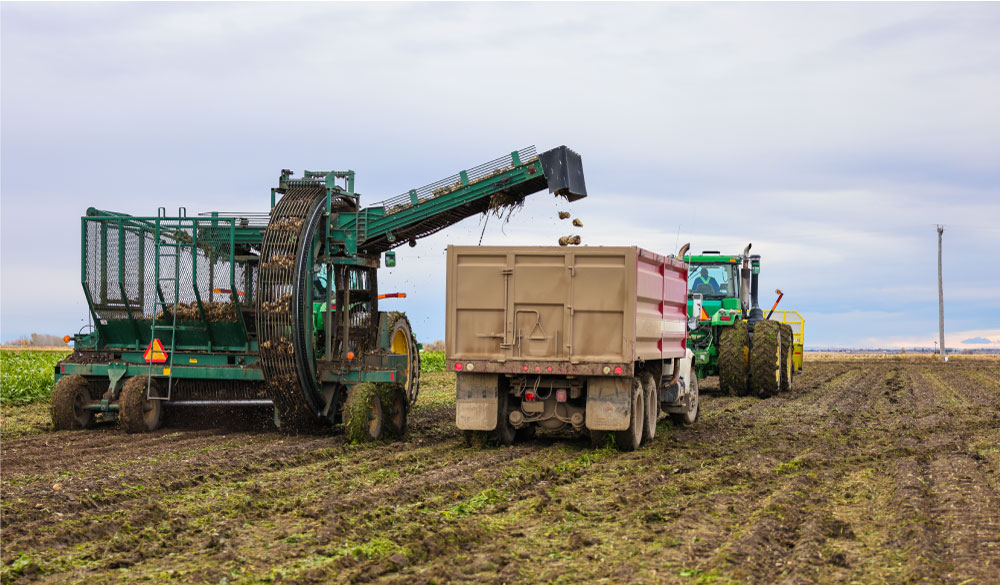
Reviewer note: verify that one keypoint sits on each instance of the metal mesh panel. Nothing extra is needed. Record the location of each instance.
(120, 267)
(448, 184)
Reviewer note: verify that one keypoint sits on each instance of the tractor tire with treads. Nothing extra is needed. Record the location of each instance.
(136, 413)
(68, 399)
(787, 349)
(402, 341)
(733, 359)
(364, 418)
(765, 359)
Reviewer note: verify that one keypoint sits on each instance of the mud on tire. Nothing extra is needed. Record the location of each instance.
(765, 359)
(364, 418)
(402, 340)
(67, 401)
(733, 359)
(136, 414)
(787, 367)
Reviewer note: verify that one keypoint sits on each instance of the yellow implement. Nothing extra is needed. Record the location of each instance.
(798, 325)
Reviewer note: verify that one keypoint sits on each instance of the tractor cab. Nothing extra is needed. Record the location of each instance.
(717, 279)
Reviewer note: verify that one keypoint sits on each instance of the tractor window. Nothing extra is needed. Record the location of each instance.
(712, 280)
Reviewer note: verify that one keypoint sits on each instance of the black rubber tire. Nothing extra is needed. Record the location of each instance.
(505, 433)
(527, 432)
(733, 352)
(396, 408)
(68, 397)
(631, 438)
(651, 396)
(136, 414)
(364, 419)
(787, 368)
(690, 414)
(598, 439)
(401, 325)
(765, 359)
(476, 439)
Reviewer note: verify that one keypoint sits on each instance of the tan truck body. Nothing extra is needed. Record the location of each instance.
(585, 318)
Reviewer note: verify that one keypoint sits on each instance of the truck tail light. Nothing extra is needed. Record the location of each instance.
(529, 396)
(618, 370)
(458, 367)
(560, 395)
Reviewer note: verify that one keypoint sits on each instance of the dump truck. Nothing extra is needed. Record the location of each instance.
(589, 340)
(730, 335)
(278, 309)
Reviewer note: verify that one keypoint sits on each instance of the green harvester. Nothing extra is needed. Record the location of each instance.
(728, 332)
(276, 309)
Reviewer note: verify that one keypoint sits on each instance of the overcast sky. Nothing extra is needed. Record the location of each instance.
(832, 136)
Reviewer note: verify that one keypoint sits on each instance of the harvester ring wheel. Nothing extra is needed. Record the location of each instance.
(631, 438)
(364, 418)
(136, 413)
(690, 414)
(69, 397)
(652, 402)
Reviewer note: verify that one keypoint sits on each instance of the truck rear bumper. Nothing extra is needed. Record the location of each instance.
(539, 367)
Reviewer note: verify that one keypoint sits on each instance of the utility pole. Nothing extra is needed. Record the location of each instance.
(944, 356)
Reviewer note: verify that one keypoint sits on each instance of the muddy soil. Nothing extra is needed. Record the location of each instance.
(868, 471)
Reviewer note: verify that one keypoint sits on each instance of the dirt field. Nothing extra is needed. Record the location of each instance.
(869, 471)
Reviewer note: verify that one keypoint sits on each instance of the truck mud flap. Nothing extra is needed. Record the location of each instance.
(608, 403)
(563, 169)
(476, 402)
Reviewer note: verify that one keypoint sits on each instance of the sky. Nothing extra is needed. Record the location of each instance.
(834, 137)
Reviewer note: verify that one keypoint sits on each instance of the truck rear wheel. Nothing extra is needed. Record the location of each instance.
(787, 367)
(136, 413)
(631, 438)
(733, 352)
(690, 413)
(364, 419)
(765, 358)
(651, 396)
(68, 399)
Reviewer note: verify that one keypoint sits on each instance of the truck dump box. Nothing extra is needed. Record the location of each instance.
(577, 319)
(576, 308)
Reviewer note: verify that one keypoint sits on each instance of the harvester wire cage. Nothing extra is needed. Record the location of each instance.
(130, 263)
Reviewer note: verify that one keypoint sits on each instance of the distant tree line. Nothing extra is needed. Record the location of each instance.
(38, 340)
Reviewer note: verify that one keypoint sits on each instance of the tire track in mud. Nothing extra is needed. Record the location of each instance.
(858, 469)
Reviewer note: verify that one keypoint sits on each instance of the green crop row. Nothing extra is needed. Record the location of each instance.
(432, 361)
(27, 376)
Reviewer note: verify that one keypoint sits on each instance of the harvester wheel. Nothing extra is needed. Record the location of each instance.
(631, 438)
(690, 413)
(733, 353)
(402, 341)
(787, 369)
(68, 399)
(136, 413)
(651, 396)
(364, 419)
(396, 408)
(765, 358)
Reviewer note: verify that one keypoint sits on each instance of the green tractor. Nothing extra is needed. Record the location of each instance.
(729, 334)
